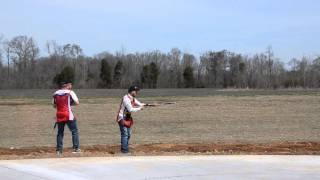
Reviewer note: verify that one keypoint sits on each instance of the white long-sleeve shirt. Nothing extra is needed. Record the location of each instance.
(62, 101)
(128, 104)
(65, 91)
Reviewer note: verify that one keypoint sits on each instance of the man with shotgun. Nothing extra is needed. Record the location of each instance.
(63, 99)
(128, 105)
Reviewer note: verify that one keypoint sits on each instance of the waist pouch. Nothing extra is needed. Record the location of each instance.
(128, 122)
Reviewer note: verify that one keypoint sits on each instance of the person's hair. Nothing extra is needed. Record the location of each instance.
(133, 88)
(64, 84)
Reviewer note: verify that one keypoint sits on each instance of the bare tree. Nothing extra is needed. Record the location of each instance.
(174, 69)
(270, 62)
(23, 52)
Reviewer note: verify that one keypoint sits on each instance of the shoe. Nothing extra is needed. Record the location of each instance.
(59, 153)
(76, 151)
(125, 153)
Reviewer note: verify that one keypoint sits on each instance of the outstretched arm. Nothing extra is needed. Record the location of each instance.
(128, 105)
(139, 103)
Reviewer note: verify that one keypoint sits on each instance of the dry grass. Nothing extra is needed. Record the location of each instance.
(200, 119)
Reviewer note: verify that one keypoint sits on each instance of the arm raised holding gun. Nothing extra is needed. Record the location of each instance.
(129, 104)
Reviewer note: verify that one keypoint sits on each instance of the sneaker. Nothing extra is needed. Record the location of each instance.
(76, 151)
(59, 153)
(125, 153)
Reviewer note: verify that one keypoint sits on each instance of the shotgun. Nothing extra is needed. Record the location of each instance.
(159, 104)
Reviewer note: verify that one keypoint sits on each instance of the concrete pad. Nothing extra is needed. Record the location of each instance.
(164, 167)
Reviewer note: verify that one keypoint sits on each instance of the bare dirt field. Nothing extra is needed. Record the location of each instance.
(201, 121)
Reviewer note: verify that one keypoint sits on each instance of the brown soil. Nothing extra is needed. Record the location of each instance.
(279, 148)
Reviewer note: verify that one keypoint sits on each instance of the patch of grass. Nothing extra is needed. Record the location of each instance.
(199, 119)
(116, 93)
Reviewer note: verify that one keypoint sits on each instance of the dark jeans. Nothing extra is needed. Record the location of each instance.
(72, 125)
(125, 137)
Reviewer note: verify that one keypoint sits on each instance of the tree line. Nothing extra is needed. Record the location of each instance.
(21, 66)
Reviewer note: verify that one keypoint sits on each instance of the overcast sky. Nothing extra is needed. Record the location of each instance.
(292, 27)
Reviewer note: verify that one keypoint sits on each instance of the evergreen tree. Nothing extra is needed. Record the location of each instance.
(188, 77)
(105, 74)
(66, 75)
(154, 73)
(145, 76)
(117, 76)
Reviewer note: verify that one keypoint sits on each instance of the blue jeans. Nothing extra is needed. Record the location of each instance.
(72, 125)
(125, 137)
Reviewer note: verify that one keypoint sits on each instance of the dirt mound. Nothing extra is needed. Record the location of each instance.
(281, 148)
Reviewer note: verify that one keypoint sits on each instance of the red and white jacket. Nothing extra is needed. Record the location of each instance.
(62, 100)
(128, 104)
